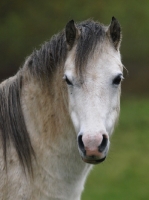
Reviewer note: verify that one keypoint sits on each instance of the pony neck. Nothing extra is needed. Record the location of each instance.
(59, 170)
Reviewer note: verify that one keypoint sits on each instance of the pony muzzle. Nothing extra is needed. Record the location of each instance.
(93, 148)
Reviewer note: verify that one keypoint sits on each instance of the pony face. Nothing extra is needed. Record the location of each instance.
(94, 97)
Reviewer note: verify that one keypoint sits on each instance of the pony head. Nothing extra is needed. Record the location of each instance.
(93, 73)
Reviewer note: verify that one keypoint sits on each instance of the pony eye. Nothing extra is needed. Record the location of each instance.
(117, 79)
(67, 80)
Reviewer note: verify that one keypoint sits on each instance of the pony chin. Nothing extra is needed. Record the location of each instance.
(94, 162)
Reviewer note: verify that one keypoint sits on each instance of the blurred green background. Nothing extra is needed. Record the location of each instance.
(24, 25)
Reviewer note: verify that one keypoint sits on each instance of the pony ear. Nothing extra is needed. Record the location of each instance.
(115, 32)
(71, 34)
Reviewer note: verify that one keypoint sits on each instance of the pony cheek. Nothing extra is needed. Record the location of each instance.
(75, 121)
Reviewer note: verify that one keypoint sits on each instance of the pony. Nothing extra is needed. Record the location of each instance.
(58, 112)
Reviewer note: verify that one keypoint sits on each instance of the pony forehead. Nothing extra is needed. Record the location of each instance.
(93, 44)
(103, 56)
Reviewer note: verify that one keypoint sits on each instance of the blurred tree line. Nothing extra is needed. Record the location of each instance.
(24, 25)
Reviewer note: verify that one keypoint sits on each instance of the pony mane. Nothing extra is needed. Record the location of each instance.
(52, 54)
(42, 62)
(12, 124)
(92, 34)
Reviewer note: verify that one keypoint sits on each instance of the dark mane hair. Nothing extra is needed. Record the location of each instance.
(44, 61)
(92, 33)
(12, 124)
(52, 54)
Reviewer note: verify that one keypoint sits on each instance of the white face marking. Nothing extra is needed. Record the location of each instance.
(94, 105)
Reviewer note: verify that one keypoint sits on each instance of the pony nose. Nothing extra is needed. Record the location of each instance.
(93, 145)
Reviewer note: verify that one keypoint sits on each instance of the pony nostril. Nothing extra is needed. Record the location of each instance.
(103, 144)
(80, 143)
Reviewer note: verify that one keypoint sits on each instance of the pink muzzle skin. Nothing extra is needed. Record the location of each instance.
(93, 147)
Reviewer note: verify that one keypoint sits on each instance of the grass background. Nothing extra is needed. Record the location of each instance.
(125, 173)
